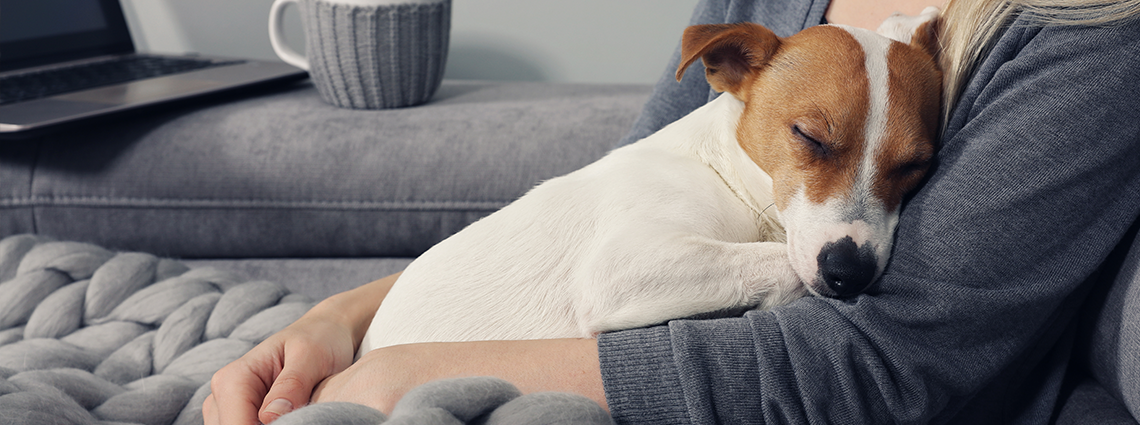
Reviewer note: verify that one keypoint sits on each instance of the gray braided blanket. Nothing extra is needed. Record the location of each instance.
(90, 336)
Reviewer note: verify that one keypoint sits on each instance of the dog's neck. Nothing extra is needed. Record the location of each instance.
(709, 134)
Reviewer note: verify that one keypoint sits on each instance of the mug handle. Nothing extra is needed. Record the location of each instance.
(277, 36)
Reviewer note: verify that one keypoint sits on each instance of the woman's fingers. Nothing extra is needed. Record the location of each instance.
(237, 391)
(304, 369)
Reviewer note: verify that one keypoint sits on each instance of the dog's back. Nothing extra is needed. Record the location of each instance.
(542, 266)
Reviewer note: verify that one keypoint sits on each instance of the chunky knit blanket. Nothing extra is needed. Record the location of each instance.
(90, 336)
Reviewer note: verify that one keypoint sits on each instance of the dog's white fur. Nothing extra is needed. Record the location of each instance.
(674, 225)
(659, 229)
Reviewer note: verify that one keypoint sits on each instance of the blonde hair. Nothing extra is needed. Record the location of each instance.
(970, 27)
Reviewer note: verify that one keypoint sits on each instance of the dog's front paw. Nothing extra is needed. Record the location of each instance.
(776, 283)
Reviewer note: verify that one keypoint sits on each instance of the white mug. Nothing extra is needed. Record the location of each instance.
(277, 36)
(369, 54)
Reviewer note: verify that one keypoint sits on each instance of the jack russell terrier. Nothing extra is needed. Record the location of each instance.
(821, 134)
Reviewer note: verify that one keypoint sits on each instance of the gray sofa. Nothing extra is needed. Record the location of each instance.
(282, 187)
(285, 187)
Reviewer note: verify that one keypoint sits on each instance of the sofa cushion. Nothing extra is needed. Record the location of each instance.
(317, 278)
(286, 175)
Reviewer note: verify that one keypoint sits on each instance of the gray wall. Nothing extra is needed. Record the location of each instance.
(594, 41)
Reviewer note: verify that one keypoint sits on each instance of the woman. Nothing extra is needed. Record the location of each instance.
(971, 323)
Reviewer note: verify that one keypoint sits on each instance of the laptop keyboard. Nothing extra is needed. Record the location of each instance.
(38, 84)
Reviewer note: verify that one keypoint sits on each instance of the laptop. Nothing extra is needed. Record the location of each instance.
(65, 61)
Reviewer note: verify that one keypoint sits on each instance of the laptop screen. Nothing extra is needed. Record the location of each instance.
(40, 32)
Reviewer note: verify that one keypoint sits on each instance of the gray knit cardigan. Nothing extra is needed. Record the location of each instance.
(973, 321)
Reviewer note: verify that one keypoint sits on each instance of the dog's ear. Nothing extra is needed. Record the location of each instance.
(731, 53)
(926, 36)
(920, 31)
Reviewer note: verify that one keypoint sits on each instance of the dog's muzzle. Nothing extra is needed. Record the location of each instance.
(846, 268)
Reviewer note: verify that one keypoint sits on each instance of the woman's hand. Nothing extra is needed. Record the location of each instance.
(381, 377)
(279, 374)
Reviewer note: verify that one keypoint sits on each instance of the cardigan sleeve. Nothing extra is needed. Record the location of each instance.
(972, 322)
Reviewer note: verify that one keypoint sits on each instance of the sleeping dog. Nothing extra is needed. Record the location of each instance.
(789, 183)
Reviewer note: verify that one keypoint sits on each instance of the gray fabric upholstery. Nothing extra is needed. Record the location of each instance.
(316, 278)
(276, 177)
(287, 175)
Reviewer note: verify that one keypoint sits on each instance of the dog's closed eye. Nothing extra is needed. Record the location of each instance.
(818, 148)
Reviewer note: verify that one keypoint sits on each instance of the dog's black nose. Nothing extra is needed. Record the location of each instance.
(845, 267)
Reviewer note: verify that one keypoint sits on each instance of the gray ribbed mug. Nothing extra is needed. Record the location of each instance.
(369, 54)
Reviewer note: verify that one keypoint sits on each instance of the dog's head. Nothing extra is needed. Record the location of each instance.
(844, 120)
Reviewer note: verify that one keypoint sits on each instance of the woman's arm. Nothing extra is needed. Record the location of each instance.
(381, 377)
(311, 361)
(280, 373)
(355, 308)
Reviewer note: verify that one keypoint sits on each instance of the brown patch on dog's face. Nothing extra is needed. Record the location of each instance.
(914, 87)
(804, 123)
